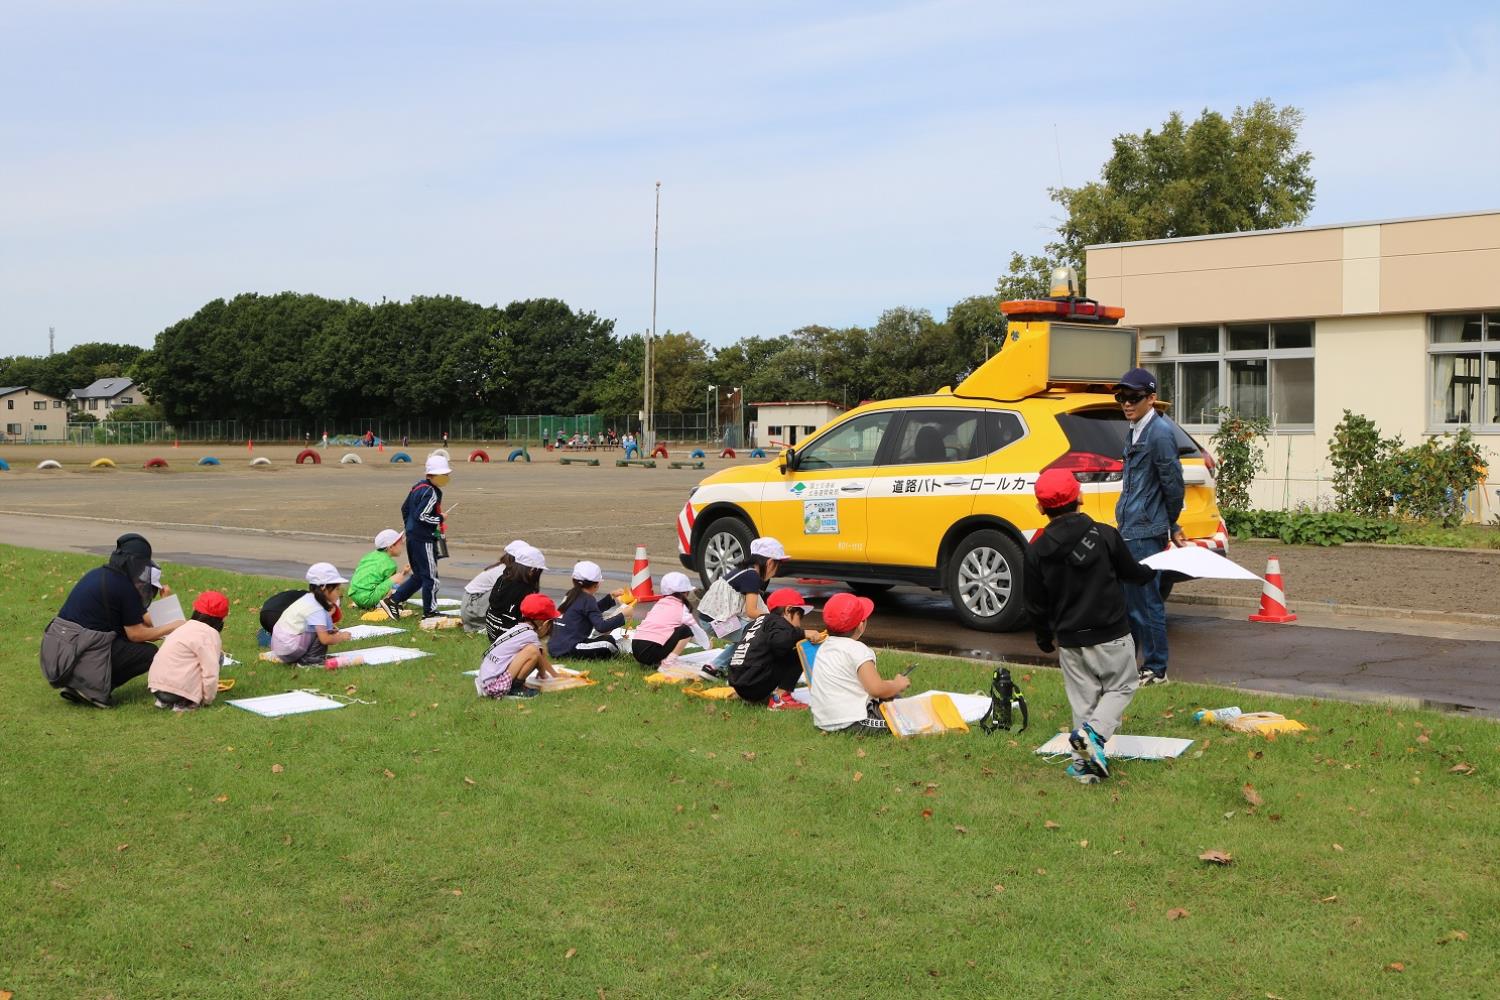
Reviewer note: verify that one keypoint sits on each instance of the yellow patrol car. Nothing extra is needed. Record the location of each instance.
(936, 490)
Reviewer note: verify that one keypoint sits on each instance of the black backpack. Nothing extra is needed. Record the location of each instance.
(275, 606)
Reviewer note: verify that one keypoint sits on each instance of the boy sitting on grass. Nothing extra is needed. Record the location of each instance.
(764, 668)
(846, 688)
(376, 575)
(1074, 568)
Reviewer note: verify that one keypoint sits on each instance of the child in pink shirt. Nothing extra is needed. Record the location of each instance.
(184, 672)
(669, 624)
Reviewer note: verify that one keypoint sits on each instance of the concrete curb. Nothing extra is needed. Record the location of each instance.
(1351, 610)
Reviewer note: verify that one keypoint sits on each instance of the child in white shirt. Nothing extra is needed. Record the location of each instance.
(846, 687)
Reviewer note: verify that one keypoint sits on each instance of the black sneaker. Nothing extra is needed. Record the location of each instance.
(391, 608)
(521, 691)
(78, 698)
(712, 671)
(1152, 677)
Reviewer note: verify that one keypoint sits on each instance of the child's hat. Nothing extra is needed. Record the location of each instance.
(323, 574)
(786, 597)
(1056, 488)
(768, 547)
(515, 548)
(587, 572)
(387, 538)
(212, 603)
(437, 465)
(531, 557)
(538, 608)
(844, 612)
(676, 583)
(156, 577)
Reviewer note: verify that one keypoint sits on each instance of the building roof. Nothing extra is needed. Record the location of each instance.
(103, 388)
(801, 402)
(6, 390)
(1292, 229)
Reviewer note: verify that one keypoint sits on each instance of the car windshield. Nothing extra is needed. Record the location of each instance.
(1104, 431)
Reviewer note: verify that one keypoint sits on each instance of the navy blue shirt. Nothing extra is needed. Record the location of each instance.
(580, 620)
(104, 600)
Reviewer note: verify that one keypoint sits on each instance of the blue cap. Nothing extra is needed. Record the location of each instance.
(1138, 379)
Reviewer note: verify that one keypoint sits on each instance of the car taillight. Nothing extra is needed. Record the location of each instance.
(1211, 463)
(1088, 467)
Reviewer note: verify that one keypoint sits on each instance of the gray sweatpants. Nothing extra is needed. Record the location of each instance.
(472, 611)
(1100, 681)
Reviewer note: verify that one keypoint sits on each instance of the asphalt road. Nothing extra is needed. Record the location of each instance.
(1442, 665)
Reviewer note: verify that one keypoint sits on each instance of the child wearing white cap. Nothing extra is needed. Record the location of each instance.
(750, 580)
(668, 625)
(477, 591)
(521, 578)
(583, 632)
(306, 628)
(422, 512)
(376, 575)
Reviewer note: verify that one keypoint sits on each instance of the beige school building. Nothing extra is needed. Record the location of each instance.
(1397, 320)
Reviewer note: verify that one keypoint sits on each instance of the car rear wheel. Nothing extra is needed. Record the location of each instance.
(983, 579)
(723, 545)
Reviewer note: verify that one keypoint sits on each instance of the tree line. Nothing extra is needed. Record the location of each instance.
(302, 356)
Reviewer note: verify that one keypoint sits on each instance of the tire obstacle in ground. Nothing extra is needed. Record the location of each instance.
(520, 453)
(260, 463)
(400, 456)
(102, 463)
(351, 459)
(697, 453)
(308, 455)
(660, 451)
(4, 465)
(755, 453)
(49, 463)
(156, 463)
(439, 453)
(208, 460)
(479, 455)
(727, 453)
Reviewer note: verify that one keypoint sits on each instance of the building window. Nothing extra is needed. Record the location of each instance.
(57, 404)
(1464, 362)
(774, 430)
(13, 429)
(40, 404)
(124, 401)
(1262, 370)
(38, 427)
(10, 404)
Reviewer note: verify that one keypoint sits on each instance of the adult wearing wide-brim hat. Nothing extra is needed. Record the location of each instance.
(101, 636)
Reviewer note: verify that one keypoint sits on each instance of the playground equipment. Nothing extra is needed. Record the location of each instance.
(645, 463)
(4, 465)
(208, 460)
(727, 453)
(521, 453)
(697, 453)
(262, 461)
(400, 456)
(155, 463)
(479, 455)
(102, 463)
(438, 451)
(577, 461)
(308, 455)
(754, 453)
(660, 451)
(685, 465)
(49, 463)
(351, 459)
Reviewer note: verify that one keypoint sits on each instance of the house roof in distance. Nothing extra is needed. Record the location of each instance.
(104, 388)
(6, 390)
(800, 402)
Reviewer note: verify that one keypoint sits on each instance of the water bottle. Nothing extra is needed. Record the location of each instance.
(1216, 716)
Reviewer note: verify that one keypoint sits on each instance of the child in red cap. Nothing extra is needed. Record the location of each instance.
(1074, 569)
(519, 651)
(764, 667)
(846, 689)
(184, 673)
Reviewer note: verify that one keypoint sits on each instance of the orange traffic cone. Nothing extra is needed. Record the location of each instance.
(640, 578)
(380, 444)
(176, 442)
(250, 444)
(1273, 597)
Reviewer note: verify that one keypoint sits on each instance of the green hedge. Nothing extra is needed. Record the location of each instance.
(1308, 527)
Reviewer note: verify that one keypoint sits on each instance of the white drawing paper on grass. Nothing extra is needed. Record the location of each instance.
(273, 706)
(357, 632)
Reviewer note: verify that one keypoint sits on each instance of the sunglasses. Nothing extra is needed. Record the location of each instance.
(1130, 397)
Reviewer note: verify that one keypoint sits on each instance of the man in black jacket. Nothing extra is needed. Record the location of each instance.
(1074, 568)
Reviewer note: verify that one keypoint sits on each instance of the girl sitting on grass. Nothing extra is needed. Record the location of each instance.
(668, 626)
(522, 577)
(584, 631)
(305, 630)
(184, 673)
(518, 652)
(477, 591)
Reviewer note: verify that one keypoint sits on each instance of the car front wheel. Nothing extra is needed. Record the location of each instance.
(983, 579)
(723, 545)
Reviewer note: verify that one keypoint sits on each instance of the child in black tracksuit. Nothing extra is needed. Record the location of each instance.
(765, 666)
(422, 514)
(1074, 569)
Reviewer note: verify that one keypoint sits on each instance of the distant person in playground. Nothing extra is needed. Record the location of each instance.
(765, 668)
(1151, 496)
(518, 652)
(631, 448)
(583, 632)
(522, 578)
(1074, 570)
(476, 602)
(325, 439)
(422, 514)
(376, 575)
(101, 636)
(750, 579)
(668, 626)
(307, 627)
(184, 673)
(846, 687)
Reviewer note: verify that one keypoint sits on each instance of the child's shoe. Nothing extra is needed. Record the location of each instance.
(521, 691)
(1089, 745)
(1080, 772)
(391, 608)
(783, 702)
(162, 704)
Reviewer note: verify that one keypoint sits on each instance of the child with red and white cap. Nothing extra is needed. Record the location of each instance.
(518, 652)
(1074, 569)
(846, 687)
(765, 668)
(185, 671)
(668, 625)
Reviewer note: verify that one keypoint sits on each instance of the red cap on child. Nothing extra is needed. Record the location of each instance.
(1056, 488)
(844, 612)
(212, 603)
(538, 608)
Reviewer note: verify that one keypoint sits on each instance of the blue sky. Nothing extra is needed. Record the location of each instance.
(820, 162)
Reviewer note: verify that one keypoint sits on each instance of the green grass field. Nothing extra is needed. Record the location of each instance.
(625, 841)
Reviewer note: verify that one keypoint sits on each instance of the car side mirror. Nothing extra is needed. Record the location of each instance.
(788, 460)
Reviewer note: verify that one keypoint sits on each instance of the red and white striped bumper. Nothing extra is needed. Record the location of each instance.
(685, 529)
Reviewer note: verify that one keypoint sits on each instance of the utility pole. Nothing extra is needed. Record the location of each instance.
(51, 341)
(648, 429)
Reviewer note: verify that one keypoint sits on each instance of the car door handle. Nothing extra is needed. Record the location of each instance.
(851, 488)
(955, 482)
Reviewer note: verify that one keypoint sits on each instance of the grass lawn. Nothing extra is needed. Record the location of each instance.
(625, 841)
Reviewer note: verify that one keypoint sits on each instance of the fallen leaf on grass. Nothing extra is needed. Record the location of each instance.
(6, 994)
(351, 689)
(960, 829)
(570, 953)
(122, 847)
(287, 840)
(860, 754)
(1453, 936)
(748, 754)
(458, 892)
(1041, 871)
(1217, 857)
(221, 798)
(1461, 768)
(1329, 899)
(469, 781)
(927, 814)
(601, 708)
(388, 773)
(277, 769)
(1395, 967)
(1251, 795)
(1176, 913)
(1255, 754)
(999, 887)
(1083, 843)
(1339, 848)
(1049, 825)
(859, 775)
(1423, 738)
